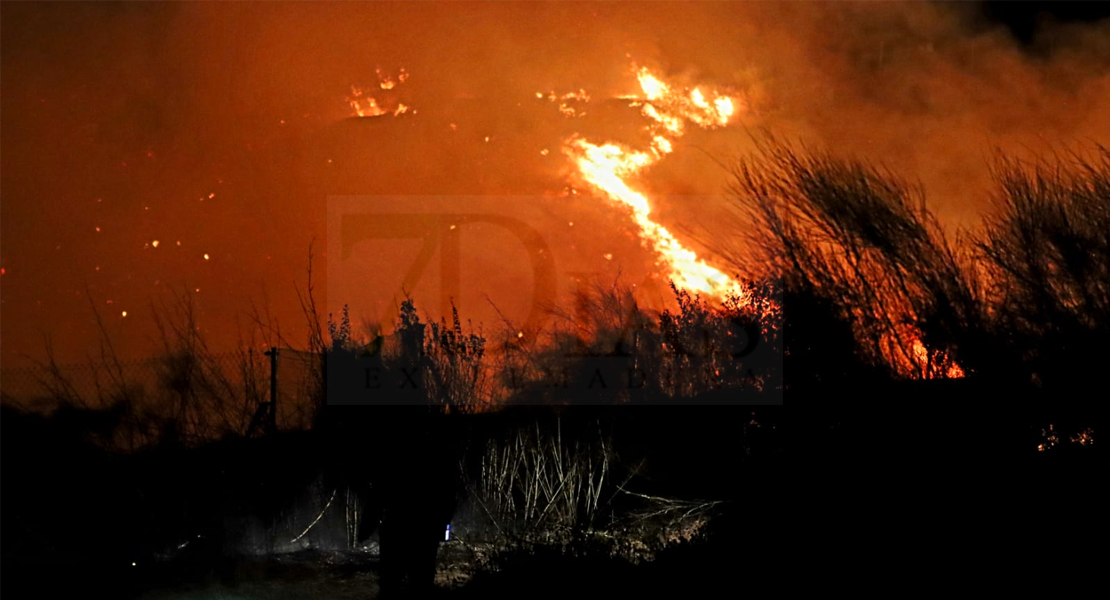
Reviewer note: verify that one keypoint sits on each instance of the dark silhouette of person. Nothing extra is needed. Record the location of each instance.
(417, 486)
(398, 448)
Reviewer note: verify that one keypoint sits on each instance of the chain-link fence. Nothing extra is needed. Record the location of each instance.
(192, 396)
(298, 379)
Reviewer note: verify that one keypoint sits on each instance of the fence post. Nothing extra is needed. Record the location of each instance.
(271, 424)
(323, 382)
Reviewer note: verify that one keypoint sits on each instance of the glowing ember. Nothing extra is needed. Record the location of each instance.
(1084, 438)
(610, 167)
(933, 364)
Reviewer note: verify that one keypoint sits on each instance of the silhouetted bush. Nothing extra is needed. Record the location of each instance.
(1046, 250)
(610, 351)
(871, 286)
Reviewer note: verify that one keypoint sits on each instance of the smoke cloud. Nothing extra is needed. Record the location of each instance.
(226, 127)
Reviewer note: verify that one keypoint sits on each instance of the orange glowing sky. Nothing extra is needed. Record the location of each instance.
(149, 148)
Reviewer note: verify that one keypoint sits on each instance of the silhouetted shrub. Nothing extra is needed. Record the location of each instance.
(869, 280)
(1046, 249)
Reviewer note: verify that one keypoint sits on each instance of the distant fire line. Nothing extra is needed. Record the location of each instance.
(610, 167)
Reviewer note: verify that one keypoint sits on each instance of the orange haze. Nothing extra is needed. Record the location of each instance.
(220, 130)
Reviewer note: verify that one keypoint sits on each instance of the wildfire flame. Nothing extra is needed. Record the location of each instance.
(610, 167)
(366, 105)
(671, 108)
(363, 104)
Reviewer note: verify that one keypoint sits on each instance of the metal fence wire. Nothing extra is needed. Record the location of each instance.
(299, 388)
(192, 396)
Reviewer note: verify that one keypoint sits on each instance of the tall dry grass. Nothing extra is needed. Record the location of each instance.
(873, 287)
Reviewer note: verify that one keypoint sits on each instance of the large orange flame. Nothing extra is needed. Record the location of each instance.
(610, 167)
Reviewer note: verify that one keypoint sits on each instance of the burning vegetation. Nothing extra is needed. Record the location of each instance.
(922, 314)
(609, 168)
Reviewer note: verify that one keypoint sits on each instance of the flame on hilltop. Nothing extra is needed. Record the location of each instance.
(610, 167)
(565, 101)
(366, 105)
(670, 108)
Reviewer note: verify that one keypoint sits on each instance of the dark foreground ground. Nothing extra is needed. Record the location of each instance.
(732, 549)
(295, 576)
(927, 485)
(699, 569)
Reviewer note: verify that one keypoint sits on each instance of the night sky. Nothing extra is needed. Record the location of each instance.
(154, 149)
